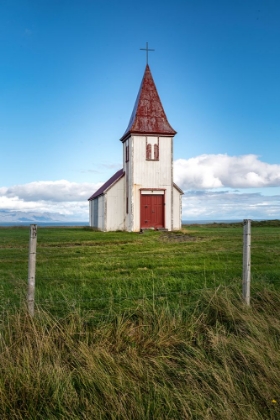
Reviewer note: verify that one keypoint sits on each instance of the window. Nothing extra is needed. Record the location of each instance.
(127, 153)
(156, 152)
(152, 151)
(148, 151)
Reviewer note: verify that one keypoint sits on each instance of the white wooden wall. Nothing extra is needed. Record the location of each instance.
(101, 212)
(150, 174)
(97, 222)
(177, 209)
(115, 205)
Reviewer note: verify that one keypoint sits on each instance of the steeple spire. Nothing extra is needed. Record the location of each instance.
(148, 116)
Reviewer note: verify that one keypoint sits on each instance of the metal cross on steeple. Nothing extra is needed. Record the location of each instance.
(147, 51)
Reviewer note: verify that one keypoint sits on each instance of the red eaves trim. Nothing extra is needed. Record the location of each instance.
(108, 184)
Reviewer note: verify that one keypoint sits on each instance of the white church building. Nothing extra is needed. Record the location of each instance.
(141, 195)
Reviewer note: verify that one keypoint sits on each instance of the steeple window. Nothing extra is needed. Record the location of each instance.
(127, 153)
(148, 151)
(156, 152)
(152, 150)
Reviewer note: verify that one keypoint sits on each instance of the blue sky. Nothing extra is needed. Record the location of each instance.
(70, 73)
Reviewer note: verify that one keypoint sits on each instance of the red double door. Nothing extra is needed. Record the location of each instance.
(152, 211)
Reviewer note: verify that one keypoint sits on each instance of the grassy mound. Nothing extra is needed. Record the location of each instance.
(219, 360)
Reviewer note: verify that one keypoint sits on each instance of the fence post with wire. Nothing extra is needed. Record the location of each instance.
(32, 269)
(246, 260)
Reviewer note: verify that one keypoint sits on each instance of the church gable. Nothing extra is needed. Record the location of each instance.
(108, 184)
(106, 205)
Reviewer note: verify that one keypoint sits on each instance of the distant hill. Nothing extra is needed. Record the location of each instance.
(7, 216)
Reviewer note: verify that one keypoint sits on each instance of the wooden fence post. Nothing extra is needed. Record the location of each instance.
(246, 260)
(32, 269)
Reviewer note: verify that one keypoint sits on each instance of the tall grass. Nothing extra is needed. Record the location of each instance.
(218, 360)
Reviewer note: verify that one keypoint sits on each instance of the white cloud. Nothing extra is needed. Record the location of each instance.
(63, 197)
(55, 191)
(216, 171)
(223, 205)
(213, 173)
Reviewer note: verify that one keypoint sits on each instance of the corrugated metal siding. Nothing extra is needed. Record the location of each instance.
(95, 212)
(151, 174)
(101, 210)
(127, 184)
(177, 209)
(116, 206)
(108, 212)
(90, 214)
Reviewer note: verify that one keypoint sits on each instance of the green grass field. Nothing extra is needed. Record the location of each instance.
(140, 326)
(79, 267)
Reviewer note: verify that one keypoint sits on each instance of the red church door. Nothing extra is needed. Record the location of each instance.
(152, 211)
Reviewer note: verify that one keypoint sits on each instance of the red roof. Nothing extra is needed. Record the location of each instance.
(148, 116)
(107, 184)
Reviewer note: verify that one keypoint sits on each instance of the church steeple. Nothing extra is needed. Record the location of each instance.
(148, 116)
(142, 195)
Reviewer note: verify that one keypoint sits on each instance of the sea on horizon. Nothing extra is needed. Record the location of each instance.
(59, 224)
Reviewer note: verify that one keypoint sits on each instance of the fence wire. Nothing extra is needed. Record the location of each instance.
(118, 266)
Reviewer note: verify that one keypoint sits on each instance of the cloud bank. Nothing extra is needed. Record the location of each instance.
(229, 205)
(214, 185)
(56, 191)
(61, 197)
(216, 171)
